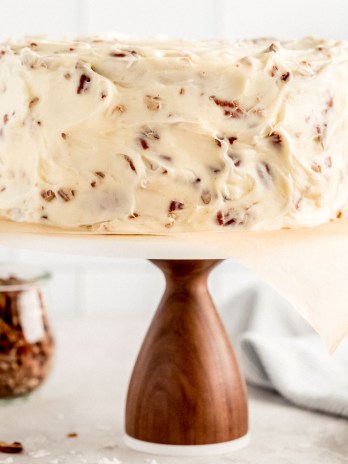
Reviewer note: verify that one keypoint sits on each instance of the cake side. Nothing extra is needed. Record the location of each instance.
(141, 137)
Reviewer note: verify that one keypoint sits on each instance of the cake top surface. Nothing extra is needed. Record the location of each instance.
(309, 48)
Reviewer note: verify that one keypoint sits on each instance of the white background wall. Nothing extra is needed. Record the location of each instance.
(86, 285)
(190, 18)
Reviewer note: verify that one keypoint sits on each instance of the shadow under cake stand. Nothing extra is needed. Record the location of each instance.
(186, 395)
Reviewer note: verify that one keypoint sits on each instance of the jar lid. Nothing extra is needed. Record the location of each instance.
(16, 277)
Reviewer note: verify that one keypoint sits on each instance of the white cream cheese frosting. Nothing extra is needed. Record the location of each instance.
(163, 136)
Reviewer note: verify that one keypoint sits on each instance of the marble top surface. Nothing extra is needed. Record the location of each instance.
(86, 392)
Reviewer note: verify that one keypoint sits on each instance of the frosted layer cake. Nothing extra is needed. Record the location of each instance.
(163, 136)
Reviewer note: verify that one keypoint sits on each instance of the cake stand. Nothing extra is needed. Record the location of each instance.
(186, 395)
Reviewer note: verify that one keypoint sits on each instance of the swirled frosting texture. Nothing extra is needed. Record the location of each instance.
(157, 136)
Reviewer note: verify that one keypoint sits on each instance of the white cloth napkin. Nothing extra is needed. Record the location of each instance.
(278, 350)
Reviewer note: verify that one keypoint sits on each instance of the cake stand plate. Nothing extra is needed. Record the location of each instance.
(186, 395)
(170, 246)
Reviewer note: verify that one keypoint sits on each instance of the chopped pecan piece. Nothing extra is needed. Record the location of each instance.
(206, 197)
(83, 84)
(231, 108)
(118, 54)
(153, 103)
(66, 194)
(272, 48)
(330, 102)
(236, 160)
(273, 71)
(151, 134)
(231, 217)
(275, 138)
(223, 103)
(231, 140)
(143, 143)
(220, 218)
(166, 157)
(123, 54)
(119, 109)
(225, 219)
(284, 77)
(175, 205)
(33, 102)
(237, 113)
(130, 162)
(316, 167)
(48, 195)
(11, 448)
(321, 133)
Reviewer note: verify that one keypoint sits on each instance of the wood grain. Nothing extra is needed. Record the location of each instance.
(186, 387)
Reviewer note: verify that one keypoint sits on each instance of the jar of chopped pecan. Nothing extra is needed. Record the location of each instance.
(26, 343)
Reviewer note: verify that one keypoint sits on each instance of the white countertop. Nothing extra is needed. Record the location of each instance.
(86, 394)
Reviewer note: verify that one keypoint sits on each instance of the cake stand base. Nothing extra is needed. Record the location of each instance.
(187, 450)
(186, 395)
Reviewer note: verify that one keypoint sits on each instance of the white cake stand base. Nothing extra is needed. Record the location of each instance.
(187, 450)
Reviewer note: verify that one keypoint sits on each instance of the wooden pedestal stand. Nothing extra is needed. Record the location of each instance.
(186, 394)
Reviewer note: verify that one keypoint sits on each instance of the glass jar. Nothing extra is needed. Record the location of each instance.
(26, 343)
